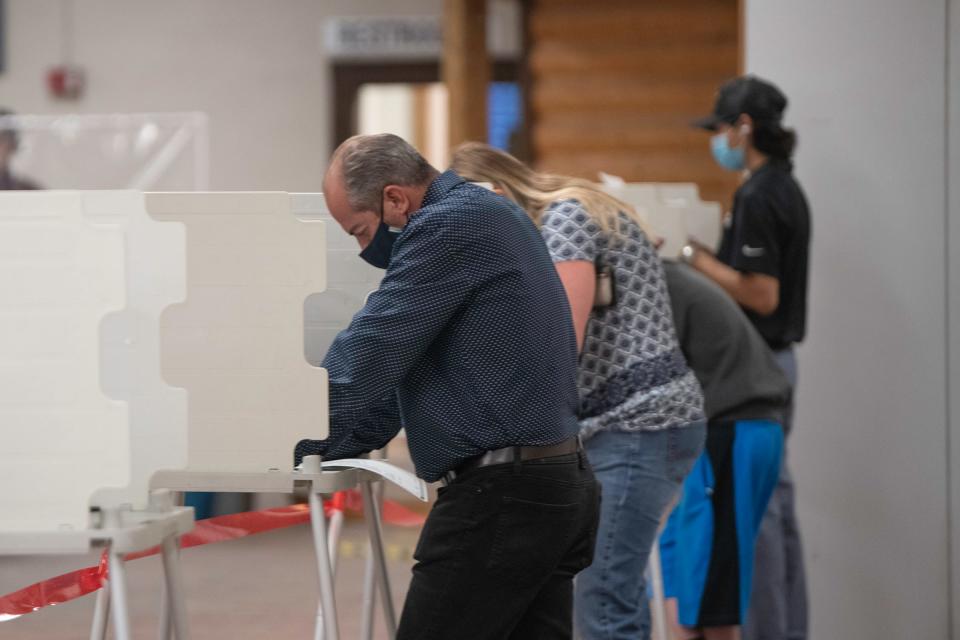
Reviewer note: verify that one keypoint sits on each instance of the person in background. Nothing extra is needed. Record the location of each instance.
(9, 142)
(708, 544)
(762, 264)
(452, 347)
(641, 408)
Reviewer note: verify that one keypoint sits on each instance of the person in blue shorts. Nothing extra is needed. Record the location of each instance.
(707, 546)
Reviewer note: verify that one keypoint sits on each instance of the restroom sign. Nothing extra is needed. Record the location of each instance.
(403, 37)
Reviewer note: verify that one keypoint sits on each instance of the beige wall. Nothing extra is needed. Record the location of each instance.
(256, 67)
(868, 85)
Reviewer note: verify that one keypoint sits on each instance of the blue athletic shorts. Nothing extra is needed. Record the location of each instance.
(707, 546)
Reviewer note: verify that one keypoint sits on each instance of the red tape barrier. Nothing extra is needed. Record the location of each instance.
(81, 582)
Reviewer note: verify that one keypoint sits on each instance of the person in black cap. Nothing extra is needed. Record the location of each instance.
(9, 142)
(762, 264)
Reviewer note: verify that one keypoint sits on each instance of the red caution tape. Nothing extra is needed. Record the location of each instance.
(63, 588)
(81, 582)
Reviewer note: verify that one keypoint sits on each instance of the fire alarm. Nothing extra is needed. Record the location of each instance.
(65, 82)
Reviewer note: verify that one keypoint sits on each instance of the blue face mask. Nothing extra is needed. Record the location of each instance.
(730, 159)
(378, 252)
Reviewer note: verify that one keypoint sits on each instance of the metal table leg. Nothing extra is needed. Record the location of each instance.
(173, 582)
(166, 628)
(101, 613)
(372, 512)
(336, 527)
(369, 596)
(658, 610)
(333, 535)
(118, 594)
(166, 612)
(327, 626)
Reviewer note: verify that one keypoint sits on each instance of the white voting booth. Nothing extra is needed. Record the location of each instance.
(237, 345)
(673, 210)
(78, 313)
(154, 343)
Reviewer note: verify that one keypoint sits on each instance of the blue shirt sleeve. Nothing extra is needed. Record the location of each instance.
(422, 289)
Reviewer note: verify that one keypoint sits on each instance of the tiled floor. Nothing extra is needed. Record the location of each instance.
(263, 586)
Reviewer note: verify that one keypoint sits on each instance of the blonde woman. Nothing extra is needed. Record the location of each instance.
(641, 408)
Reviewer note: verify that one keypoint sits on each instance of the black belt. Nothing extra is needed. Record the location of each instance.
(514, 454)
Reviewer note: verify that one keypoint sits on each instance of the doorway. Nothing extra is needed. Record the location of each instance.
(409, 100)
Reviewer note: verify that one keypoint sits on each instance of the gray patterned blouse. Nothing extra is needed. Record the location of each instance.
(632, 376)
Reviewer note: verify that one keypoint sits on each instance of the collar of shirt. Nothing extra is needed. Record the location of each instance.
(440, 187)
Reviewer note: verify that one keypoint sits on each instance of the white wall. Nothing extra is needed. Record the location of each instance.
(256, 67)
(953, 296)
(866, 80)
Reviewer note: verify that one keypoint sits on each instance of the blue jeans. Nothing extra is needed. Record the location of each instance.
(640, 474)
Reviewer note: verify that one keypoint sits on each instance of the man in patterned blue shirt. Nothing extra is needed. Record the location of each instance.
(468, 344)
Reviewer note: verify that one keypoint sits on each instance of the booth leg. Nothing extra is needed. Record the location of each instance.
(336, 527)
(118, 595)
(369, 596)
(166, 628)
(327, 626)
(369, 583)
(658, 609)
(101, 613)
(166, 612)
(173, 581)
(333, 536)
(372, 512)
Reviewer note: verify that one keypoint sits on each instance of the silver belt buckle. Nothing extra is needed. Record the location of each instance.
(448, 477)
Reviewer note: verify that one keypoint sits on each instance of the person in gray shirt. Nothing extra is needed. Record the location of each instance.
(707, 546)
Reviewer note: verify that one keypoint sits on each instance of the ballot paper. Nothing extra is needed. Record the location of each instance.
(400, 477)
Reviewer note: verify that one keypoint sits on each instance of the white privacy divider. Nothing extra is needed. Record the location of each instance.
(256, 265)
(703, 220)
(349, 281)
(61, 272)
(85, 416)
(639, 194)
(156, 279)
(236, 343)
(670, 224)
(674, 211)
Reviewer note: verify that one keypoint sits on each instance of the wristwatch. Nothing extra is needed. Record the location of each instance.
(688, 253)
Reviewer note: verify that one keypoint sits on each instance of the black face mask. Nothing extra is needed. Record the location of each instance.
(380, 248)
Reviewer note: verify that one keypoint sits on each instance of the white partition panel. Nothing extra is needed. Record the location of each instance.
(349, 280)
(702, 220)
(678, 194)
(674, 211)
(61, 272)
(639, 194)
(237, 343)
(669, 224)
(156, 279)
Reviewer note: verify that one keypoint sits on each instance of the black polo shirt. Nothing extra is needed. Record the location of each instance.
(769, 232)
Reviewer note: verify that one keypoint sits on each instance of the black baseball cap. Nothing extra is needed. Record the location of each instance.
(757, 98)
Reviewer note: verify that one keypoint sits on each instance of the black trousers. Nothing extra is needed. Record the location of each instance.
(498, 553)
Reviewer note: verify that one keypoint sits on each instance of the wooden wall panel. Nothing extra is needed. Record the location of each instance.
(614, 84)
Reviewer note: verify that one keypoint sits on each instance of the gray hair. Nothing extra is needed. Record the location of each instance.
(371, 162)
